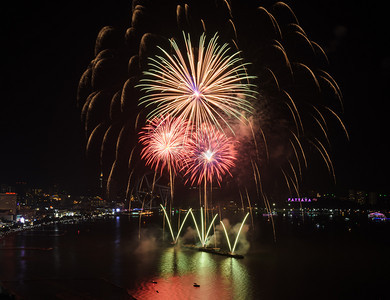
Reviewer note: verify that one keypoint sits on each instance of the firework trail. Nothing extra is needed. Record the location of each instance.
(164, 141)
(204, 86)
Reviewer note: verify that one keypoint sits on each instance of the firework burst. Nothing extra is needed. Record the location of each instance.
(163, 140)
(211, 155)
(207, 85)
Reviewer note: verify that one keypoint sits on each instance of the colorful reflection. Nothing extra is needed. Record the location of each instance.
(189, 274)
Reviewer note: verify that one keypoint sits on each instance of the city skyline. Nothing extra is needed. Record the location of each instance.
(42, 137)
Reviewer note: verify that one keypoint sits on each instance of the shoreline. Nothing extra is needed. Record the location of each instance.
(11, 232)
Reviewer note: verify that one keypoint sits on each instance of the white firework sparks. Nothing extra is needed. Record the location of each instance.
(207, 85)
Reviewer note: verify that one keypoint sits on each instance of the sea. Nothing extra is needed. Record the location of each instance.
(123, 257)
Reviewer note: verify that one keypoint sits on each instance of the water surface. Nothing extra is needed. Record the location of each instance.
(318, 259)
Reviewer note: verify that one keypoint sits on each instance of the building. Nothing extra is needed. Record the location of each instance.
(352, 196)
(5, 188)
(21, 190)
(361, 197)
(8, 205)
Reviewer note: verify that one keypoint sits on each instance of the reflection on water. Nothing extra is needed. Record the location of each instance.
(237, 275)
(179, 269)
(174, 262)
(106, 260)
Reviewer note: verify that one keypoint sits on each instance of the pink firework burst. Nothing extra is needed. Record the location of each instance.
(164, 143)
(210, 155)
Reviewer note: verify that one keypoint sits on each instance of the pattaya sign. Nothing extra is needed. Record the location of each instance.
(301, 199)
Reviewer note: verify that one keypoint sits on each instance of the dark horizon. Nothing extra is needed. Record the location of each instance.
(49, 46)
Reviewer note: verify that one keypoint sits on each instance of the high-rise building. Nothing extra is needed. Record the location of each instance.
(8, 205)
(5, 188)
(361, 197)
(352, 195)
(21, 189)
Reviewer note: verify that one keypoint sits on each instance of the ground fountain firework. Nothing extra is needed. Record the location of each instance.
(237, 236)
(204, 232)
(175, 239)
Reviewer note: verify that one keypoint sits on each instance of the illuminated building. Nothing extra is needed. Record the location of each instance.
(352, 195)
(8, 205)
(361, 197)
(37, 191)
(5, 188)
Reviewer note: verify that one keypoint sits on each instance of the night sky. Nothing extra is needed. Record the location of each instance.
(47, 46)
